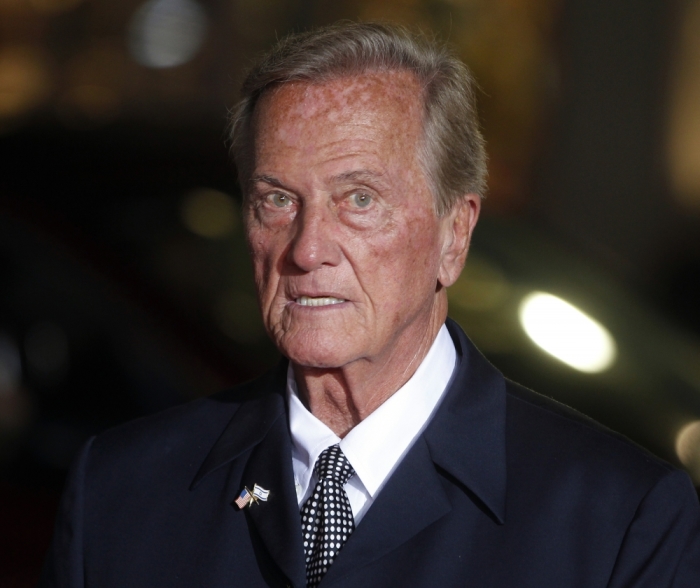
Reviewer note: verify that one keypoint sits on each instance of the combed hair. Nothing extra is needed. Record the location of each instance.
(452, 153)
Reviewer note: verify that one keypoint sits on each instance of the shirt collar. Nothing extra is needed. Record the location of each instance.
(309, 435)
(375, 446)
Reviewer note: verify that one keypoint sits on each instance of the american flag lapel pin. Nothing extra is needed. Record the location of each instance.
(247, 498)
(244, 498)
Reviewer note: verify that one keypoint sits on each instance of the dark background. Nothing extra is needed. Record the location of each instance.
(124, 282)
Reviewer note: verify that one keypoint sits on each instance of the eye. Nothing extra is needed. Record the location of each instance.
(360, 199)
(280, 200)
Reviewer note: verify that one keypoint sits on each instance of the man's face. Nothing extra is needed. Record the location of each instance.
(346, 246)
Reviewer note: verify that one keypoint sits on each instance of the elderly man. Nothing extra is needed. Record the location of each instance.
(386, 451)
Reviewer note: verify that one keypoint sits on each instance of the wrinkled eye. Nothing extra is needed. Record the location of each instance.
(360, 199)
(280, 200)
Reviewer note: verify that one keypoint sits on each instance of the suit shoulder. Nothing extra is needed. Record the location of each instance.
(562, 435)
(185, 429)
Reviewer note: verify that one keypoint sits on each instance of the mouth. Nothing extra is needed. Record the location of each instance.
(319, 301)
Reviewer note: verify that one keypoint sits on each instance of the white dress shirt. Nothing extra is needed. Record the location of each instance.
(377, 445)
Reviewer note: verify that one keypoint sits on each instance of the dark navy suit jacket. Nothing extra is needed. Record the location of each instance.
(505, 488)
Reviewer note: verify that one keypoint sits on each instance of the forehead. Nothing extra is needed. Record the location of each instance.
(387, 105)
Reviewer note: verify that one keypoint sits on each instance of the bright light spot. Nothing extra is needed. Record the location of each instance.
(167, 33)
(688, 448)
(568, 334)
(209, 213)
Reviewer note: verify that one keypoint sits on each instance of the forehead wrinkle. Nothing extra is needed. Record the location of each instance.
(289, 118)
(356, 175)
(329, 98)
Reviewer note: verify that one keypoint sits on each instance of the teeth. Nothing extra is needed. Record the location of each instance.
(322, 301)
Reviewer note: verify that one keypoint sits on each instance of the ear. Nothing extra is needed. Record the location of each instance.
(458, 226)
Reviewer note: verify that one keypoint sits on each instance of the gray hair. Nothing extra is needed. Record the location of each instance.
(452, 154)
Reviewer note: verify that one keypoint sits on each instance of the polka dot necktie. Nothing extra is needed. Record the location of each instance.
(326, 517)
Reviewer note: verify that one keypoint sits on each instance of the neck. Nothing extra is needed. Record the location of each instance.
(343, 397)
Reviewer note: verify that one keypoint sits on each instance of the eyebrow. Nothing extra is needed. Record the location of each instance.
(273, 181)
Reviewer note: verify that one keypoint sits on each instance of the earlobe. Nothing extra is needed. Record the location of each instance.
(459, 226)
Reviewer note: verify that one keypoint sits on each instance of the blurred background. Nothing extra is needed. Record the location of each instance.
(124, 282)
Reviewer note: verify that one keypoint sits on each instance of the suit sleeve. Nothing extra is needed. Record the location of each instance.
(661, 548)
(63, 567)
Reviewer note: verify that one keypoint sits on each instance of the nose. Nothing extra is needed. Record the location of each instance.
(315, 241)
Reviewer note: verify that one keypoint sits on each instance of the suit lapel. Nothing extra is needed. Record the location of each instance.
(412, 499)
(277, 521)
(465, 439)
(258, 435)
(467, 436)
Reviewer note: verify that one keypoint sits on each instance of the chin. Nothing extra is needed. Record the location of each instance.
(317, 352)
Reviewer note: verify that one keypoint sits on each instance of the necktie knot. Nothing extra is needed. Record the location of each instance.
(333, 465)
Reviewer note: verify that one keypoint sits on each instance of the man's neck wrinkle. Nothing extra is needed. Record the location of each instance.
(343, 397)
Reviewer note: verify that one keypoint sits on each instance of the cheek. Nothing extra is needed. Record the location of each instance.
(403, 263)
(420, 247)
(262, 256)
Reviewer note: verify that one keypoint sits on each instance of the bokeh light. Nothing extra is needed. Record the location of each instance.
(94, 85)
(684, 112)
(89, 101)
(567, 333)
(167, 33)
(23, 80)
(209, 213)
(688, 448)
